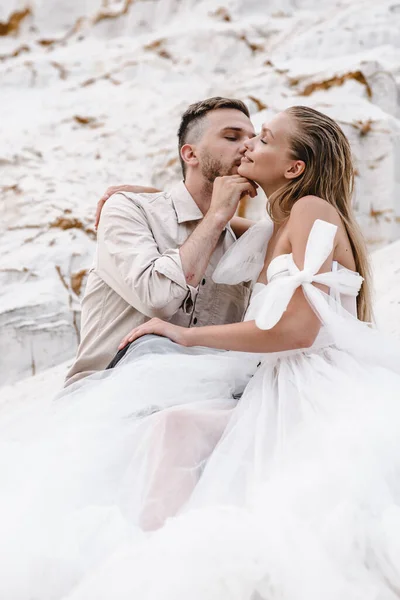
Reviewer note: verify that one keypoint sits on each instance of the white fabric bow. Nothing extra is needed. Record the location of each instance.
(268, 306)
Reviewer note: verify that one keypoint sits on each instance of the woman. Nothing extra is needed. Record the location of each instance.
(293, 492)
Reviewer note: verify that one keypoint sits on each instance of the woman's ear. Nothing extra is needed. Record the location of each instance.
(188, 154)
(296, 169)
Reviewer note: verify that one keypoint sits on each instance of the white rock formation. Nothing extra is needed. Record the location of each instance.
(386, 271)
(91, 95)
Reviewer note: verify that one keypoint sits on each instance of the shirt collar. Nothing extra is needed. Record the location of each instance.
(186, 208)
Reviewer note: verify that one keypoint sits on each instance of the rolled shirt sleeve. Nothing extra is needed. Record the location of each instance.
(129, 261)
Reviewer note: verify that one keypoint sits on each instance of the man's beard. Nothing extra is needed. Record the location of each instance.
(211, 168)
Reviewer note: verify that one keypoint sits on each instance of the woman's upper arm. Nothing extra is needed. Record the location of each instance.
(300, 315)
(240, 225)
(302, 218)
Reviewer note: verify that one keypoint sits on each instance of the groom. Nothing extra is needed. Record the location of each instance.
(156, 252)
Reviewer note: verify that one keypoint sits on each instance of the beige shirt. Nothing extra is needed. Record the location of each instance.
(137, 274)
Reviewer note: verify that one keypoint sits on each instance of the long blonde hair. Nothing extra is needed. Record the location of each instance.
(329, 174)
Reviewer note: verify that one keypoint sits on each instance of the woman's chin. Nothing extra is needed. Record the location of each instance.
(243, 169)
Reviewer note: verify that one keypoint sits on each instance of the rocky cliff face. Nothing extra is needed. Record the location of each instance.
(91, 95)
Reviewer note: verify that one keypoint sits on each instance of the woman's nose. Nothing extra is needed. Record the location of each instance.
(248, 144)
(243, 148)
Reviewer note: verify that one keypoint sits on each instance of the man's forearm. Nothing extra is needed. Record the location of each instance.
(196, 252)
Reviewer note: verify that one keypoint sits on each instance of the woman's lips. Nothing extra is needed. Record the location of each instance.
(246, 159)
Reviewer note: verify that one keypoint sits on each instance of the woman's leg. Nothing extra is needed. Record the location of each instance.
(182, 441)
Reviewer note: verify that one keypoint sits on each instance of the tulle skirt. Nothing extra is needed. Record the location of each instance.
(278, 480)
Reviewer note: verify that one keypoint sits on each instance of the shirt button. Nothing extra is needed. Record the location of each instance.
(195, 321)
(203, 282)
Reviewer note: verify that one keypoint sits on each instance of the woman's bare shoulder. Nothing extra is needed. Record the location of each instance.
(310, 208)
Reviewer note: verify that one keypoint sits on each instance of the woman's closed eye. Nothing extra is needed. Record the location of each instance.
(263, 141)
(232, 139)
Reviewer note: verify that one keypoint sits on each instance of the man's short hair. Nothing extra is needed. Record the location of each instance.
(192, 120)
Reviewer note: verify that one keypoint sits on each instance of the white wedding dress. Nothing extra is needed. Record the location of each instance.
(291, 492)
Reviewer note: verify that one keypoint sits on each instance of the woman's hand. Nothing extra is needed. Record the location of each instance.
(157, 327)
(114, 189)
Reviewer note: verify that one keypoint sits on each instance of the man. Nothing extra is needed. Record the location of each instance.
(156, 252)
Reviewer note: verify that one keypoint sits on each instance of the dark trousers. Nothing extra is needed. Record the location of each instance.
(120, 354)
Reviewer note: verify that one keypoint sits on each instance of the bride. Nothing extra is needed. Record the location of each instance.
(154, 481)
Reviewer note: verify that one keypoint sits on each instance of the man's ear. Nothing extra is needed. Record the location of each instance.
(188, 154)
(296, 169)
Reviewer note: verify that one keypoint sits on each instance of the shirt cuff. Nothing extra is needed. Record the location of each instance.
(189, 301)
(170, 265)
